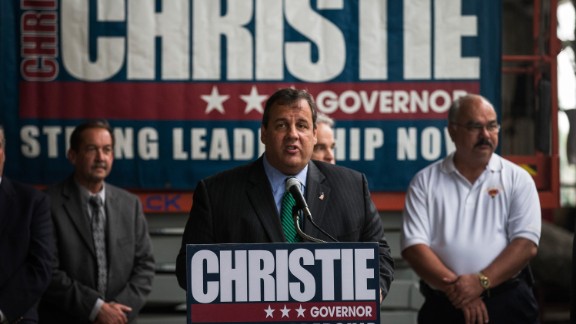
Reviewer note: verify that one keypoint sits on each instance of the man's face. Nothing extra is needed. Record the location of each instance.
(93, 160)
(289, 137)
(324, 148)
(2, 154)
(476, 132)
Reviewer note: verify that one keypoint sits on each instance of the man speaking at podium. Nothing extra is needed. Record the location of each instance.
(244, 204)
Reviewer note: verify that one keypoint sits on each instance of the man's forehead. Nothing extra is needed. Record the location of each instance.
(298, 104)
(92, 141)
(477, 111)
(283, 109)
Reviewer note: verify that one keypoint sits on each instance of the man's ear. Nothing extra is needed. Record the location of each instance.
(263, 134)
(451, 130)
(71, 155)
(315, 132)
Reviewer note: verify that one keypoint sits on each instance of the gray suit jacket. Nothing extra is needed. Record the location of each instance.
(237, 206)
(72, 292)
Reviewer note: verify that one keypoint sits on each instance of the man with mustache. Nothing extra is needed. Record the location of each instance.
(103, 267)
(471, 225)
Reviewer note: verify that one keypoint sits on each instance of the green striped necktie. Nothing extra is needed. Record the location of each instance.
(288, 225)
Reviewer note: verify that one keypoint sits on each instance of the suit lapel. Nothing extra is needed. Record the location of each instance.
(264, 207)
(317, 195)
(76, 213)
(113, 226)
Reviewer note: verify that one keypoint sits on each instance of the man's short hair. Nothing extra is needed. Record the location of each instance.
(288, 96)
(324, 119)
(459, 102)
(76, 137)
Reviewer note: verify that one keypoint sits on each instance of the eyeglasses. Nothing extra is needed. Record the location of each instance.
(478, 128)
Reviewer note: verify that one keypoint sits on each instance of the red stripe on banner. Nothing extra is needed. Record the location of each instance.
(283, 312)
(233, 101)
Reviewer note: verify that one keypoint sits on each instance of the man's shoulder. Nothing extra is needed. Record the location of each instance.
(334, 169)
(21, 189)
(432, 172)
(507, 163)
(239, 172)
(513, 168)
(58, 188)
(121, 193)
(445, 164)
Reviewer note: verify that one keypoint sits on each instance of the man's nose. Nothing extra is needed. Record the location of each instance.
(99, 154)
(484, 132)
(292, 131)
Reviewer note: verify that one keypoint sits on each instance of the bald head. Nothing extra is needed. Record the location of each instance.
(468, 101)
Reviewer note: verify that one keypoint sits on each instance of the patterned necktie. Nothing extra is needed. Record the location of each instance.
(288, 226)
(99, 242)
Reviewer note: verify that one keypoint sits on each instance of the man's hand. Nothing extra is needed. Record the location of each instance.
(113, 313)
(465, 289)
(475, 312)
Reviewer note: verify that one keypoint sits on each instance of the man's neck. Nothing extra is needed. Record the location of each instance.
(92, 187)
(469, 168)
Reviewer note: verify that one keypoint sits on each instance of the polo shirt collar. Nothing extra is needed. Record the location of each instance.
(494, 165)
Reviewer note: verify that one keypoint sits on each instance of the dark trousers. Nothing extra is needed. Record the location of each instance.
(513, 303)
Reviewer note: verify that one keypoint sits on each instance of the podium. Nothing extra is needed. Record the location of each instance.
(283, 282)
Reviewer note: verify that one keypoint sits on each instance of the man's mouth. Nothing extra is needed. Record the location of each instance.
(291, 148)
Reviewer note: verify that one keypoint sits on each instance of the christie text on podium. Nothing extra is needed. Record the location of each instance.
(283, 282)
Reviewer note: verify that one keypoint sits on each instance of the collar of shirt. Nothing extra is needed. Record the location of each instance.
(86, 194)
(277, 181)
(494, 165)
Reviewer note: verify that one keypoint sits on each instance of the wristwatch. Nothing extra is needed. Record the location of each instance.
(484, 281)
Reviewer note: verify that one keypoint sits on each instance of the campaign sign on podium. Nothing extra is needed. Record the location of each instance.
(283, 282)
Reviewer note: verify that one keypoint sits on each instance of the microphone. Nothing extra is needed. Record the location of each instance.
(293, 186)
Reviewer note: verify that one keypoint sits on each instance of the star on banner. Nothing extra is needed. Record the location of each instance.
(300, 311)
(285, 312)
(215, 101)
(253, 101)
(269, 312)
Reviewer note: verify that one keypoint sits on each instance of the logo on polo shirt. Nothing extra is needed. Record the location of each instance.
(493, 192)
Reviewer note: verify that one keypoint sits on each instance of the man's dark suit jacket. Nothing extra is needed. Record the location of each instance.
(26, 247)
(72, 292)
(237, 206)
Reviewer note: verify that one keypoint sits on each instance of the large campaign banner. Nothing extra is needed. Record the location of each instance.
(283, 283)
(183, 82)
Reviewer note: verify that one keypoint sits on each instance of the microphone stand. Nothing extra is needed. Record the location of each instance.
(295, 215)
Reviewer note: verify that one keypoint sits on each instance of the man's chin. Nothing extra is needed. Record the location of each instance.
(484, 149)
(293, 165)
(484, 155)
(98, 176)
